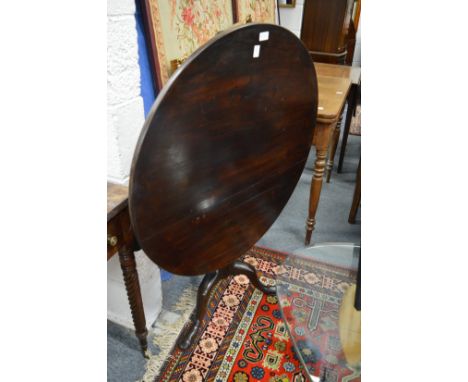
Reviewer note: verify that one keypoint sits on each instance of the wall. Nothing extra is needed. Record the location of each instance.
(357, 48)
(126, 101)
(291, 18)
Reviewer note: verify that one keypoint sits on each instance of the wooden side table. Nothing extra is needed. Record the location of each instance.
(120, 239)
(332, 93)
(353, 73)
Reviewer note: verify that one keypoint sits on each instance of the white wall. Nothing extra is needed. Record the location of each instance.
(125, 118)
(124, 103)
(291, 18)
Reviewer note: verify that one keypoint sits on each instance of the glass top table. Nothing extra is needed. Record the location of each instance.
(316, 289)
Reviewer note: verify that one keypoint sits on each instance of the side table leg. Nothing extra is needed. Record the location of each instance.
(333, 146)
(132, 284)
(205, 291)
(321, 146)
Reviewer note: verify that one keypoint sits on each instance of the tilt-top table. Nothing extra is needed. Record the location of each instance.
(334, 86)
(181, 172)
(221, 153)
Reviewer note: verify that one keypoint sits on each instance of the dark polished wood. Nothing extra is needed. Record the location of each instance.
(325, 27)
(205, 291)
(351, 44)
(356, 197)
(120, 239)
(222, 149)
(132, 285)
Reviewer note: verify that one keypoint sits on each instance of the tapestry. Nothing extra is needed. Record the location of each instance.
(181, 26)
(257, 11)
(244, 337)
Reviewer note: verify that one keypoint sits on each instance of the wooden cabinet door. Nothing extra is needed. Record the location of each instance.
(325, 26)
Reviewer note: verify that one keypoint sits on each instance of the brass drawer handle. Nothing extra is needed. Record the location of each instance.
(112, 240)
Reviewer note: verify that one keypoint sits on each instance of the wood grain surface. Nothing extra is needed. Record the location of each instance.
(353, 73)
(222, 149)
(116, 199)
(333, 92)
(325, 29)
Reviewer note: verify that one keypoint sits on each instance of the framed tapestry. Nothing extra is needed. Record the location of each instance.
(176, 28)
(257, 11)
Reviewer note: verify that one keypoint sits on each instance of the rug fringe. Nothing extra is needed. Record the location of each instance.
(166, 342)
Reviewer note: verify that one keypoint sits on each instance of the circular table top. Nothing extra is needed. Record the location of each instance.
(316, 291)
(223, 148)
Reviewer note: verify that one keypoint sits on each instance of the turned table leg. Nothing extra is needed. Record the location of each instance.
(321, 141)
(132, 284)
(333, 145)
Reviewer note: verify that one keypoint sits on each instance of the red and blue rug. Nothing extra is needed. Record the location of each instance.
(245, 339)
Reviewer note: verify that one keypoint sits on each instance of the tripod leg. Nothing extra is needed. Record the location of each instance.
(238, 267)
(204, 291)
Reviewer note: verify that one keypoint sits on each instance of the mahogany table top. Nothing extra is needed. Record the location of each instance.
(223, 148)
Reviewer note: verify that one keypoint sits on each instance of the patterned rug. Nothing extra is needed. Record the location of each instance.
(244, 337)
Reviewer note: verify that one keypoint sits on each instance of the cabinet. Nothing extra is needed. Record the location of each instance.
(327, 29)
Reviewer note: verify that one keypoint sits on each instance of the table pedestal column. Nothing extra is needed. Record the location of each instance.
(205, 291)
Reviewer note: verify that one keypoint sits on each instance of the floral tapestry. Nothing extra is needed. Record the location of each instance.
(181, 26)
(257, 11)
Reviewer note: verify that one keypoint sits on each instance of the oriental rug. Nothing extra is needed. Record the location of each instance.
(244, 338)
